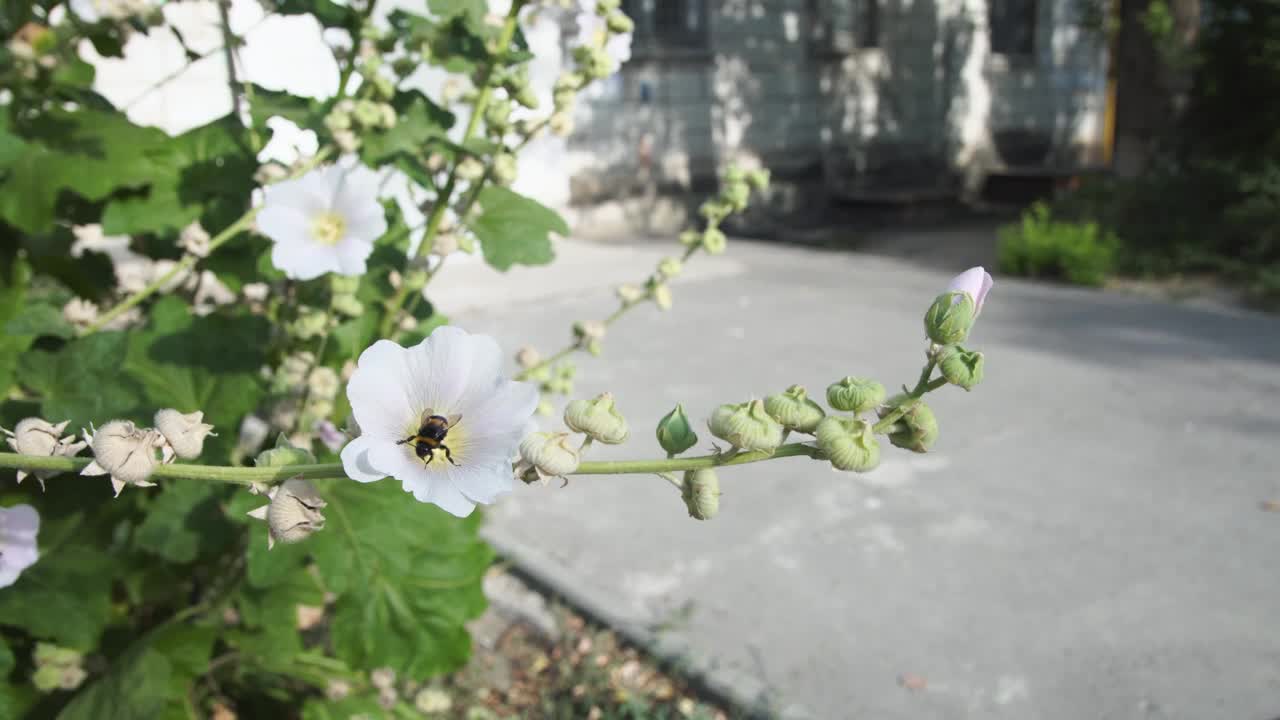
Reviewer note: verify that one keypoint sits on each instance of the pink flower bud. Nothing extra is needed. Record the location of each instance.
(976, 282)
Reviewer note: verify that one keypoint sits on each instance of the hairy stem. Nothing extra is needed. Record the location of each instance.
(436, 217)
(327, 471)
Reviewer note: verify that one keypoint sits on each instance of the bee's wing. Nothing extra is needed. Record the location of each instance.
(426, 414)
(454, 420)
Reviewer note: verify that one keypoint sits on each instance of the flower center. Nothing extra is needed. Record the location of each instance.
(455, 440)
(327, 228)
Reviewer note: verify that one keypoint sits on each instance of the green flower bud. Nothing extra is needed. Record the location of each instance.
(527, 97)
(794, 409)
(367, 113)
(598, 419)
(921, 427)
(49, 654)
(344, 284)
(415, 279)
(48, 678)
(714, 241)
(619, 23)
(701, 493)
(284, 453)
(383, 87)
(961, 367)
(337, 120)
(347, 305)
(690, 237)
(310, 323)
(670, 267)
(504, 168)
(470, 169)
(737, 195)
(498, 115)
(662, 296)
(674, 432)
(854, 394)
(546, 407)
(595, 348)
(604, 7)
(561, 124)
(758, 179)
(848, 443)
(714, 210)
(594, 62)
(568, 81)
(747, 426)
(950, 317)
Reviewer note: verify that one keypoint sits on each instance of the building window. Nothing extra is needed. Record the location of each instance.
(664, 24)
(843, 26)
(1012, 24)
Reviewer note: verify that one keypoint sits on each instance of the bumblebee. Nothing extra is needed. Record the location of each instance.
(432, 431)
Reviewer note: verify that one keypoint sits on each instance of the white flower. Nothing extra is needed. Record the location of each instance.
(456, 376)
(18, 527)
(324, 221)
(194, 239)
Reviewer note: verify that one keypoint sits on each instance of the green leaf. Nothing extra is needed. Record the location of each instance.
(206, 173)
(329, 13)
(419, 123)
(89, 152)
(65, 597)
(37, 320)
(12, 343)
(303, 112)
(407, 575)
(513, 229)
(138, 685)
(208, 364)
(472, 12)
(181, 520)
(83, 381)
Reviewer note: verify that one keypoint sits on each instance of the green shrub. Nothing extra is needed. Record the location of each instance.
(1039, 246)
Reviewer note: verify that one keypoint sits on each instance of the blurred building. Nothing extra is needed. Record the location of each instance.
(858, 98)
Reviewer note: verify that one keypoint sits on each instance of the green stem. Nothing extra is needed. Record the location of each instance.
(189, 261)
(330, 471)
(923, 385)
(234, 475)
(436, 217)
(183, 265)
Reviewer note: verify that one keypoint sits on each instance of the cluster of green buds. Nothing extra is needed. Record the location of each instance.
(564, 98)
(57, 668)
(948, 322)
(33, 48)
(552, 378)
(546, 455)
(350, 117)
(342, 297)
(515, 81)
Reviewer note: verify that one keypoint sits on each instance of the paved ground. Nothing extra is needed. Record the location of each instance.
(1086, 541)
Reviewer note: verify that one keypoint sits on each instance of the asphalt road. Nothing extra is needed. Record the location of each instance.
(1086, 541)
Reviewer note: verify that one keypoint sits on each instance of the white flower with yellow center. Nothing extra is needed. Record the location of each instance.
(325, 221)
(440, 417)
(18, 527)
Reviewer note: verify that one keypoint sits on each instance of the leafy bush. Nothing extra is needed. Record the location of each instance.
(1039, 246)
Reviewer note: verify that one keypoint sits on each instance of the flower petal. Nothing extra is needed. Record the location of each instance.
(355, 462)
(308, 194)
(483, 483)
(352, 255)
(304, 261)
(506, 410)
(441, 367)
(427, 485)
(284, 224)
(380, 392)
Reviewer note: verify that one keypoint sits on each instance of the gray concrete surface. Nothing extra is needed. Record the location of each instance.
(1085, 542)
